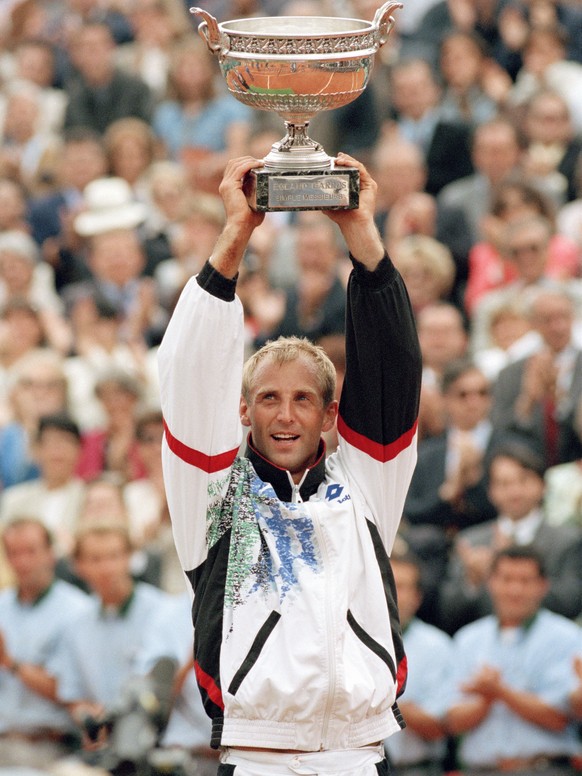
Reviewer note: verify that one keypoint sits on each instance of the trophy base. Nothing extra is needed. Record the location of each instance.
(334, 188)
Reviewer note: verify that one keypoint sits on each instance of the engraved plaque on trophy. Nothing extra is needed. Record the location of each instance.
(296, 66)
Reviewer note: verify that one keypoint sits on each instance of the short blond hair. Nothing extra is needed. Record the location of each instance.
(286, 349)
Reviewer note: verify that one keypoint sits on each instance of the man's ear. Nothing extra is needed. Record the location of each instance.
(330, 416)
(243, 412)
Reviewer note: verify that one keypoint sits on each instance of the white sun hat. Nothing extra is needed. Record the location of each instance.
(109, 205)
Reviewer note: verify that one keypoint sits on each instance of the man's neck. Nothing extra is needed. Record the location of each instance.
(118, 595)
(30, 594)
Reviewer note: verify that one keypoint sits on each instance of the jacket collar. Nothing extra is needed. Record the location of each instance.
(280, 479)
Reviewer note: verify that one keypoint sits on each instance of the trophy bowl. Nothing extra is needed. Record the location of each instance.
(296, 66)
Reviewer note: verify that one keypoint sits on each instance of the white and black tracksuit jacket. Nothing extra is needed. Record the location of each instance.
(298, 642)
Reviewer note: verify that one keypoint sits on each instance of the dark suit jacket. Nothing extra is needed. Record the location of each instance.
(126, 95)
(449, 155)
(561, 547)
(533, 431)
(44, 216)
(423, 504)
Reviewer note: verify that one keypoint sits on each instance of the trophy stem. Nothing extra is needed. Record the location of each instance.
(297, 151)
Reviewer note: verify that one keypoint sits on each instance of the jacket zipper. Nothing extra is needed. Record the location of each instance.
(329, 630)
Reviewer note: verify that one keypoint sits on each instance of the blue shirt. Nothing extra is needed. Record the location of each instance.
(32, 633)
(98, 656)
(207, 129)
(429, 654)
(16, 463)
(537, 658)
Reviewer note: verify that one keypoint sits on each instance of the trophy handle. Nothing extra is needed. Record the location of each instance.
(383, 22)
(208, 30)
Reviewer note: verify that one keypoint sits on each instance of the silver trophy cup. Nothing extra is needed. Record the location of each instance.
(297, 66)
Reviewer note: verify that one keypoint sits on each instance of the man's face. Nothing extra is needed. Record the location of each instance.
(414, 90)
(83, 161)
(406, 577)
(496, 151)
(30, 557)
(548, 120)
(92, 54)
(58, 453)
(513, 489)
(116, 257)
(553, 317)
(517, 590)
(468, 400)
(286, 414)
(527, 248)
(103, 562)
(442, 336)
(35, 63)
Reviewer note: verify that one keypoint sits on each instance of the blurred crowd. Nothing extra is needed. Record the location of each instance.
(115, 127)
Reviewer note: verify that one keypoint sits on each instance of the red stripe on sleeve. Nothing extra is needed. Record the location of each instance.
(401, 675)
(208, 463)
(375, 450)
(209, 685)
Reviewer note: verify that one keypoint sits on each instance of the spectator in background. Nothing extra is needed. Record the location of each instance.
(545, 65)
(537, 397)
(516, 489)
(69, 16)
(111, 447)
(116, 258)
(156, 26)
(511, 336)
(147, 508)
(463, 61)
(99, 93)
(191, 240)
(503, 681)
(100, 348)
(514, 198)
(482, 17)
(51, 216)
(22, 331)
(400, 170)
(552, 146)
(35, 61)
(419, 749)
(495, 152)
(57, 495)
(427, 268)
(24, 278)
(315, 306)
(131, 148)
(104, 501)
(416, 103)
(12, 206)
(563, 493)
(526, 247)
(112, 630)
(37, 387)
(27, 148)
(449, 484)
(35, 731)
(443, 339)
(198, 126)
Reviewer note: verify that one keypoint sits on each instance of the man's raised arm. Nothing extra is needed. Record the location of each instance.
(358, 226)
(240, 219)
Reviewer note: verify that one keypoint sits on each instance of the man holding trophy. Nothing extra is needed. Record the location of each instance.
(298, 651)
